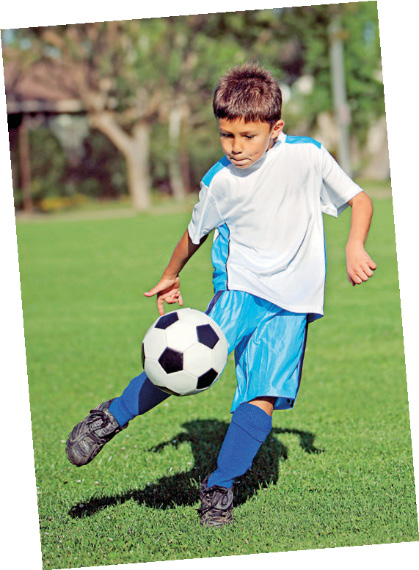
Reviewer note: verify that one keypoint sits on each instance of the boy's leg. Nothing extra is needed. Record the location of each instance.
(140, 396)
(249, 427)
(257, 373)
(283, 335)
(90, 435)
(104, 422)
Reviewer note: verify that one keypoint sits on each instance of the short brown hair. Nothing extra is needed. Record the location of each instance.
(248, 92)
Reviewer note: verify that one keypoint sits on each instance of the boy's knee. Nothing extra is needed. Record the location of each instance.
(265, 403)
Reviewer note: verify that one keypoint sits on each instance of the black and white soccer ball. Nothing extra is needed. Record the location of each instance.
(184, 352)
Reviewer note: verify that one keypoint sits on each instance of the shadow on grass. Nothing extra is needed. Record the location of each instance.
(182, 489)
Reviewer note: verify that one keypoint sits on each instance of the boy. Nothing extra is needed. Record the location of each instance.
(265, 200)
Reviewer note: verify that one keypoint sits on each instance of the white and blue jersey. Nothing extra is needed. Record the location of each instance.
(269, 237)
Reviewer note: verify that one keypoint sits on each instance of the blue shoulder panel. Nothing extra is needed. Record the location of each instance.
(301, 140)
(214, 169)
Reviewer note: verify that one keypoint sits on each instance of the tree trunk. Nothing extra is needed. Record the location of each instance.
(137, 159)
(135, 150)
(175, 170)
(185, 169)
(25, 166)
(184, 152)
(342, 111)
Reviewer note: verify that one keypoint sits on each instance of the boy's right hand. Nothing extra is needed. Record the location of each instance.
(167, 289)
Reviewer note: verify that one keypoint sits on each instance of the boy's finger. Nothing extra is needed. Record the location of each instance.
(151, 292)
(157, 289)
(160, 306)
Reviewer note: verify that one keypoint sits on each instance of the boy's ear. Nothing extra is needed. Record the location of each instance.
(277, 128)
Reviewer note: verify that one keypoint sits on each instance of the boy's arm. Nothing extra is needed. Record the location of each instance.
(168, 288)
(360, 267)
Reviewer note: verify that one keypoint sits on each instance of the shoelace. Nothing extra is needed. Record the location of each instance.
(98, 415)
(214, 498)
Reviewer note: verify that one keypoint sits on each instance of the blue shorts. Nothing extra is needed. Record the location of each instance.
(268, 344)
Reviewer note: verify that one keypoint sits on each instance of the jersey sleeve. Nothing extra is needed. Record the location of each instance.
(205, 216)
(337, 189)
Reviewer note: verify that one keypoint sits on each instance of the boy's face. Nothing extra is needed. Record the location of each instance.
(245, 143)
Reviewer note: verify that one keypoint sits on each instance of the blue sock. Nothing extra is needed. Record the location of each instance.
(249, 428)
(140, 396)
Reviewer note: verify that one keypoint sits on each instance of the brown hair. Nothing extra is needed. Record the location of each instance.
(248, 92)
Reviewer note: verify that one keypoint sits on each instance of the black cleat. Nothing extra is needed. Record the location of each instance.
(216, 505)
(90, 435)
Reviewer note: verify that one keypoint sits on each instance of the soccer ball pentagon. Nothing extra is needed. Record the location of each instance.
(184, 352)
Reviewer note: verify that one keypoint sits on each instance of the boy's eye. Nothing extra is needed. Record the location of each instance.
(229, 136)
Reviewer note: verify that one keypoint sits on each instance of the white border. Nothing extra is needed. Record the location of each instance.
(398, 30)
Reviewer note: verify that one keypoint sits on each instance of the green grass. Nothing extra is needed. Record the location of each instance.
(336, 471)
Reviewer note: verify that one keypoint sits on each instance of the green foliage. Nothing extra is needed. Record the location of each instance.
(336, 471)
(101, 172)
(58, 184)
(363, 65)
(48, 163)
(140, 69)
(309, 27)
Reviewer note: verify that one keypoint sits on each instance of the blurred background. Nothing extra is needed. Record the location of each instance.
(120, 113)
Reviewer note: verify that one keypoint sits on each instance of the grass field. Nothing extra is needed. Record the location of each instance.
(336, 471)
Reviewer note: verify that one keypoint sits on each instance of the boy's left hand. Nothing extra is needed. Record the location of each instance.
(359, 265)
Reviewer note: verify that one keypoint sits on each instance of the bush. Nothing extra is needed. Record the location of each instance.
(59, 203)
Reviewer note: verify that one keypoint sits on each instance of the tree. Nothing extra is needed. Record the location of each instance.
(117, 70)
(309, 27)
(129, 75)
(141, 77)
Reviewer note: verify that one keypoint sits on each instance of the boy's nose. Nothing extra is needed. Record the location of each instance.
(236, 147)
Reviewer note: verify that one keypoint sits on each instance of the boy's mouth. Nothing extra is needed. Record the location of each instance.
(238, 161)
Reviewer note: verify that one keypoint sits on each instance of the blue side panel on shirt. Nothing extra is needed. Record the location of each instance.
(220, 248)
(301, 140)
(219, 256)
(214, 169)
